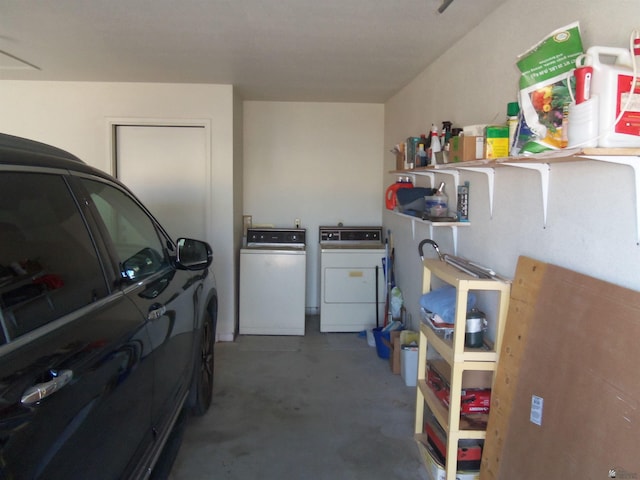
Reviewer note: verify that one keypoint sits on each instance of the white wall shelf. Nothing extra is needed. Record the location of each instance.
(542, 164)
(452, 225)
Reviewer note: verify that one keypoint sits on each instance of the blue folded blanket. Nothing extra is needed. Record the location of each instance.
(443, 302)
(408, 195)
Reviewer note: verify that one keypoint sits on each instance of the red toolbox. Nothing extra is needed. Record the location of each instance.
(469, 451)
(473, 400)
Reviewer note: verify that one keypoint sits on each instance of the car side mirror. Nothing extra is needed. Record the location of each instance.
(144, 263)
(193, 254)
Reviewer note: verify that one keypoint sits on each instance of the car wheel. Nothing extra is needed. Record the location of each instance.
(203, 374)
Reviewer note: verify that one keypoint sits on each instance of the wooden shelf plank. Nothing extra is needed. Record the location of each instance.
(445, 348)
(555, 156)
(467, 430)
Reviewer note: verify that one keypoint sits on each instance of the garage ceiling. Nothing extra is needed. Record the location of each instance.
(282, 50)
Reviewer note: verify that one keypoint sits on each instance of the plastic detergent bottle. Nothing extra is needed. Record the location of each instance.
(391, 199)
(619, 105)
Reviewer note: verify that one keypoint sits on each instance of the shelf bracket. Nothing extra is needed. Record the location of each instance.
(544, 170)
(454, 234)
(632, 162)
(432, 177)
(491, 178)
(456, 179)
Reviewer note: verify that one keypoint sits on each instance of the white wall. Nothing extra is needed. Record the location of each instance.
(75, 116)
(591, 226)
(326, 163)
(319, 162)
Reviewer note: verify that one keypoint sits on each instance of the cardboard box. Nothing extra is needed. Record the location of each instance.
(394, 357)
(473, 400)
(469, 453)
(465, 148)
(435, 468)
(474, 130)
(470, 378)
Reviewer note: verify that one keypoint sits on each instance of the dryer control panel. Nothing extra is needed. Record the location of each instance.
(351, 235)
(276, 237)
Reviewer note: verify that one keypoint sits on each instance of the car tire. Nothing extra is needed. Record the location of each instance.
(203, 369)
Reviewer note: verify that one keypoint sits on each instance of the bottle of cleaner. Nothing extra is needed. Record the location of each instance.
(513, 109)
(421, 156)
(434, 147)
(446, 139)
(421, 152)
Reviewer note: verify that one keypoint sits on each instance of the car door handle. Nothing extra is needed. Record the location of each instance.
(37, 392)
(156, 311)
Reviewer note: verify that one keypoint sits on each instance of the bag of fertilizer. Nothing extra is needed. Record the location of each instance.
(546, 87)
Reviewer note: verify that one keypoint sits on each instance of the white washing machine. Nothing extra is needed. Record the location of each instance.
(352, 283)
(272, 282)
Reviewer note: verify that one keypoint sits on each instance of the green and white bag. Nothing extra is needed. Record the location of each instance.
(546, 86)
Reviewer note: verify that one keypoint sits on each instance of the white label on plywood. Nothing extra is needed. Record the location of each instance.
(536, 410)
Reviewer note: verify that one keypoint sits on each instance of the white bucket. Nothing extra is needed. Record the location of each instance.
(409, 365)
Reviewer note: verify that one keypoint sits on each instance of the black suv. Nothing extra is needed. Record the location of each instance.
(107, 325)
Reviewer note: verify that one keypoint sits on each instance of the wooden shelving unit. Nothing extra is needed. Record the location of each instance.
(459, 357)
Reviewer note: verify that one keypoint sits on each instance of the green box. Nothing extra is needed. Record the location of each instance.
(497, 141)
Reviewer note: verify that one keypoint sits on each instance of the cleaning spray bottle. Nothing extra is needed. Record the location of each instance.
(446, 139)
(434, 146)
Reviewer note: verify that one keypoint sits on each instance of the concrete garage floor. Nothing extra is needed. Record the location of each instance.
(322, 406)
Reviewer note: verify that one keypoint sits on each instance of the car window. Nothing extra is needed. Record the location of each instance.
(48, 264)
(136, 240)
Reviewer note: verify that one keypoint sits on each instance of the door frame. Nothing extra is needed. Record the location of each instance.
(112, 123)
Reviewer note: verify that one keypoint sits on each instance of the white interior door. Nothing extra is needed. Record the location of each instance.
(167, 169)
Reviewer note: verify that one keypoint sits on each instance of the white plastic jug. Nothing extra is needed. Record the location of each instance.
(611, 84)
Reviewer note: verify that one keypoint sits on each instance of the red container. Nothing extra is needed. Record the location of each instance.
(391, 199)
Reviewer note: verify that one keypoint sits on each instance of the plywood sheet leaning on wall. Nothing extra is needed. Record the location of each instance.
(566, 398)
(524, 294)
